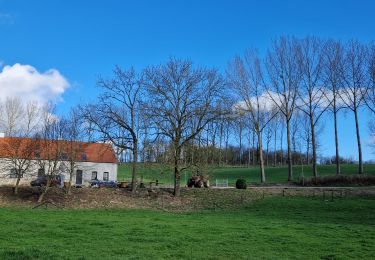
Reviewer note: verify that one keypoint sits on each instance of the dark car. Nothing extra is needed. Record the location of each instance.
(42, 181)
(100, 184)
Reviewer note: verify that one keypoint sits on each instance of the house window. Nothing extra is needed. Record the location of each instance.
(13, 173)
(40, 172)
(84, 157)
(105, 176)
(94, 175)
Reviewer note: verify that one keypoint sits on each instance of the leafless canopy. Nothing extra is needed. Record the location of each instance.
(182, 100)
(245, 77)
(284, 78)
(117, 116)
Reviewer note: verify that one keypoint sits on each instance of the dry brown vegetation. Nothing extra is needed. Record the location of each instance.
(163, 199)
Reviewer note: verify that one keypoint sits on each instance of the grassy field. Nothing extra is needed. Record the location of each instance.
(273, 174)
(272, 228)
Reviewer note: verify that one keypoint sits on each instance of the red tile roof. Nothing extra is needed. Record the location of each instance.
(42, 149)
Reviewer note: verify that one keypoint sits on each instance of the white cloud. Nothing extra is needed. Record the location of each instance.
(27, 83)
(266, 103)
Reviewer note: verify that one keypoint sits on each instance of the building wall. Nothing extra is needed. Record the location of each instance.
(86, 167)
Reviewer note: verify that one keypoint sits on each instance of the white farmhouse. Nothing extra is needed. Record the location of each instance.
(91, 161)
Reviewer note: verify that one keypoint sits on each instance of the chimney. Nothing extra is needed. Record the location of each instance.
(2, 135)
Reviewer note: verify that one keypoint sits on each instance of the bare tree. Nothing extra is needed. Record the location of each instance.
(20, 122)
(19, 158)
(49, 150)
(284, 76)
(32, 118)
(117, 114)
(246, 79)
(269, 133)
(306, 136)
(182, 101)
(370, 95)
(12, 113)
(312, 94)
(356, 85)
(239, 125)
(333, 77)
(275, 124)
(72, 134)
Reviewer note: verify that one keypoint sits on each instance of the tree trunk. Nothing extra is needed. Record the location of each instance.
(314, 168)
(226, 145)
(220, 143)
(261, 161)
(267, 149)
(360, 166)
(253, 148)
(213, 146)
(134, 166)
(207, 153)
(46, 188)
(177, 177)
(17, 185)
(249, 151)
(338, 171)
(308, 150)
(70, 181)
(281, 147)
(275, 152)
(290, 169)
(249, 157)
(240, 157)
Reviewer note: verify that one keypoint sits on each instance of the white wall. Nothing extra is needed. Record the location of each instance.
(89, 167)
(86, 167)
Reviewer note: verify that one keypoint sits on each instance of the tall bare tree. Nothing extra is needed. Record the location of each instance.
(116, 116)
(312, 94)
(284, 78)
(239, 124)
(333, 77)
(245, 76)
(182, 101)
(370, 95)
(275, 124)
(356, 85)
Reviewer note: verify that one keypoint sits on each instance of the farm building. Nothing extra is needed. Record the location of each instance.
(86, 161)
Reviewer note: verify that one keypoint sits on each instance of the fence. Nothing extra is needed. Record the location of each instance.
(222, 183)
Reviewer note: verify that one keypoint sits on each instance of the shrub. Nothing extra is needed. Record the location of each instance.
(241, 184)
(339, 180)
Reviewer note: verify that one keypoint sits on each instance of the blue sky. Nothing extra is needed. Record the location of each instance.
(85, 39)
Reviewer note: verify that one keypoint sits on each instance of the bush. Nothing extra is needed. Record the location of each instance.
(241, 184)
(339, 180)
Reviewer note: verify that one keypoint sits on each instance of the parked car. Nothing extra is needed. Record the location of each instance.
(42, 181)
(100, 184)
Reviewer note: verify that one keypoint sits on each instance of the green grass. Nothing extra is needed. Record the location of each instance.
(273, 228)
(273, 174)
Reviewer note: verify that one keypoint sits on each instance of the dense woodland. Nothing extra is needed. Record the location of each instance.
(264, 110)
